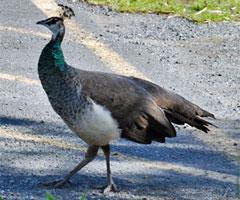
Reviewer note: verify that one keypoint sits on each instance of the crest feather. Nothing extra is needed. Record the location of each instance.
(66, 12)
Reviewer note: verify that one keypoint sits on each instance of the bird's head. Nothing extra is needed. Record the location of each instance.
(55, 24)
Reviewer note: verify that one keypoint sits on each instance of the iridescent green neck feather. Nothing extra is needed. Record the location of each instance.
(52, 57)
(58, 56)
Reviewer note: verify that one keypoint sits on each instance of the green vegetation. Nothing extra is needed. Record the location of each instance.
(83, 197)
(197, 10)
(49, 196)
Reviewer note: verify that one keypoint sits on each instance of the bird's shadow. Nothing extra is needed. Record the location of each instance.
(138, 185)
(184, 150)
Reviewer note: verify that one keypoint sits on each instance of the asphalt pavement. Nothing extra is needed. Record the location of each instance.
(199, 61)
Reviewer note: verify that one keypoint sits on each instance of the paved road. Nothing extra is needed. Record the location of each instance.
(201, 62)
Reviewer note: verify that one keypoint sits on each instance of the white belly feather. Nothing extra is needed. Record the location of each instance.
(97, 126)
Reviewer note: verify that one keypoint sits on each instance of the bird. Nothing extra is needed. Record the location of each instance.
(103, 107)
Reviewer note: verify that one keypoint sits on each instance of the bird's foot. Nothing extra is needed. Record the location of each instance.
(55, 184)
(110, 188)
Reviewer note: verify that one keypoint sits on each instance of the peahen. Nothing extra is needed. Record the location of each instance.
(102, 107)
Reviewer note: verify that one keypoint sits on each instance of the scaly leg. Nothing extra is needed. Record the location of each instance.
(89, 156)
(111, 187)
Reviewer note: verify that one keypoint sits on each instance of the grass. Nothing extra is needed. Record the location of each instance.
(197, 10)
(49, 196)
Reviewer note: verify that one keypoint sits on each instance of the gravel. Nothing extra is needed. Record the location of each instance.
(199, 61)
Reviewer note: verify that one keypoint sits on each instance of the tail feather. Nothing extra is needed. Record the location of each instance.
(177, 109)
(197, 122)
(158, 123)
(201, 112)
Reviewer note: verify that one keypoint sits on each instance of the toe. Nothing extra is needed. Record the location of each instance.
(55, 184)
(110, 188)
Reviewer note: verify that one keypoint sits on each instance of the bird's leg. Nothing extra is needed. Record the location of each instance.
(89, 156)
(110, 184)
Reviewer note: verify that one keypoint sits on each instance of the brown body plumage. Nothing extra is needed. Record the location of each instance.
(143, 109)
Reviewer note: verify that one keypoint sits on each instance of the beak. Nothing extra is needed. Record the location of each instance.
(42, 22)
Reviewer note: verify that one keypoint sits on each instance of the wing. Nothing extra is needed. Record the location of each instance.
(138, 115)
(177, 109)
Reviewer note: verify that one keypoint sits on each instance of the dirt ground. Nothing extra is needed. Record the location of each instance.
(198, 61)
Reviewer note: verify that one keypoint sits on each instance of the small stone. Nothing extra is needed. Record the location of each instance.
(235, 144)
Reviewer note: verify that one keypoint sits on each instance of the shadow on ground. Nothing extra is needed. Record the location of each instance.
(184, 150)
(171, 185)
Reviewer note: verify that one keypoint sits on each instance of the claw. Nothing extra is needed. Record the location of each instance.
(55, 184)
(110, 188)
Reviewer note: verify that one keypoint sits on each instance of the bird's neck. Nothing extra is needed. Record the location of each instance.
(57, 54)
(52, 55)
